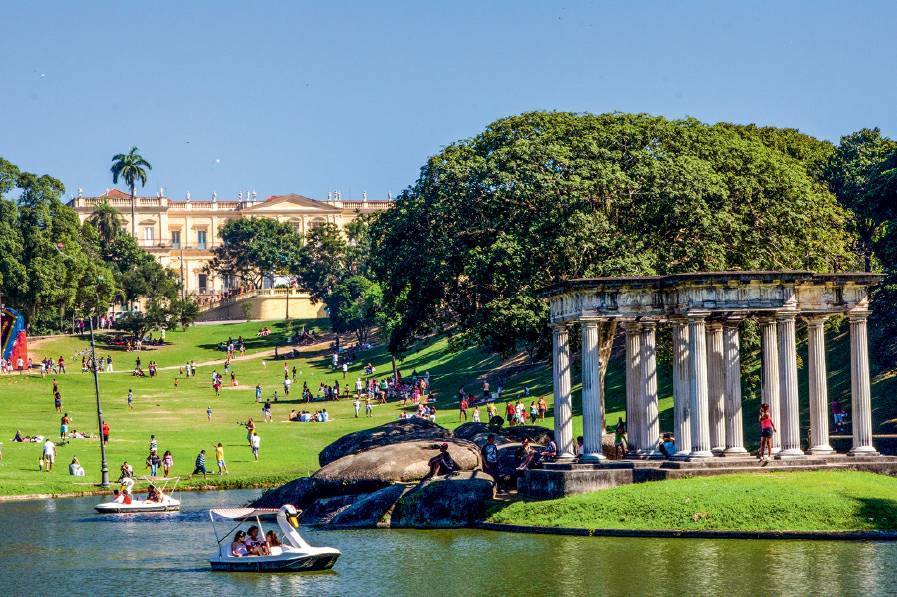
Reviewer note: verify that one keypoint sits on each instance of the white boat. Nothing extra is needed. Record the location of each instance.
(164, 502)
(294, 555)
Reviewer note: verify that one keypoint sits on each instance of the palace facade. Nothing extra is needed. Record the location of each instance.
(181, 234)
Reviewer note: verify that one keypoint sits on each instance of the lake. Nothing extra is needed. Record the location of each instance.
(56, 547)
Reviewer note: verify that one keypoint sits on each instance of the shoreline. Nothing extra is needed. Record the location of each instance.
(690, 534)
(25, 497)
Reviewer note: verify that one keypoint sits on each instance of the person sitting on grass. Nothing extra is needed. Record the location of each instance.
(75, 468)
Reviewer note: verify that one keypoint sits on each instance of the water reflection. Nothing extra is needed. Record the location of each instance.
(61, 547)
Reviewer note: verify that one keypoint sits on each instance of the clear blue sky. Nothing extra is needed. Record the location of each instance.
(310, 97)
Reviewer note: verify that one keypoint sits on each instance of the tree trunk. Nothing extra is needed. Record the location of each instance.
(606, 333)
(395, 372)
(133, 213)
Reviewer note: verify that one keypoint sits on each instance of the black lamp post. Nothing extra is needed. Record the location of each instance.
(104, 465)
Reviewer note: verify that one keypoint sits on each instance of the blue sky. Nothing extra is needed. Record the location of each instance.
(354, 96)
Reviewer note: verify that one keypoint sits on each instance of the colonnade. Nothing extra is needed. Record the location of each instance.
(708, 418)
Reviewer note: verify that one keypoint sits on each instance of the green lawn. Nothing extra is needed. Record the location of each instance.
(796, 501)
(178, 416)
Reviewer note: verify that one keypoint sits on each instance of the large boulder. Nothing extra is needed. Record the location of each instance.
(298, 492)
(376, 468)
(480, 439)
(469, 430)
(534, 433)
(382, 435)
(371, 510)
(322, 510)
(452, 501)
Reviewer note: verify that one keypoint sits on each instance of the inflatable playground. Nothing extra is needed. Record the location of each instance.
(13, 339)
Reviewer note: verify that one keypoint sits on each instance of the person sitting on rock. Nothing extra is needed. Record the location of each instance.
(442, 463)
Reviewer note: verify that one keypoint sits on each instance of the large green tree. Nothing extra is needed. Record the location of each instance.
(254, 248)
(542, 197)
(106, 221)
(861, 174)
(131, 167)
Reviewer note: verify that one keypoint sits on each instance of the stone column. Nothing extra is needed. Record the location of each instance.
(697, 378)
(682, 423)
(633, 387)
(563, 407)
(860, 391)
(716, 389)
(789, 428)
(732, 374)
(649, 430)
(592, 430)
(769, 352)
(818, 388)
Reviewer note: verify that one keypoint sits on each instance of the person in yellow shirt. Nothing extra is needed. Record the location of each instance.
(219, 457)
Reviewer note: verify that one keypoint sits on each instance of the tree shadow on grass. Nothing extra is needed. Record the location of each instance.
(881, 513)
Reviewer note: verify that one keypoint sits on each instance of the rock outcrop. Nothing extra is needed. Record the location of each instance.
(445, 502)
(382, 435)
(371, 510)
(404, 462)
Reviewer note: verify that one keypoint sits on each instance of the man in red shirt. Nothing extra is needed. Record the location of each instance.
(105, 433)
(463, 411)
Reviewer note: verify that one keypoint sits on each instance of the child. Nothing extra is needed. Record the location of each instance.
(219, 458)
(130, 399)
(209, 413)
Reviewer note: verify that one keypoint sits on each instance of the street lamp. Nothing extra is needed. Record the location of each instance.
(104, 466)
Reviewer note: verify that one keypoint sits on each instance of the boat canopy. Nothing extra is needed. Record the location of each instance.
(241, 513)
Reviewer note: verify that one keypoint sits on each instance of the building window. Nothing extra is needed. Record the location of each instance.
(200, 239)
(176, 239)
(148, 234)
(203, 283)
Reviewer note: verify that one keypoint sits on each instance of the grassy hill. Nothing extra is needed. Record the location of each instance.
(178, 416)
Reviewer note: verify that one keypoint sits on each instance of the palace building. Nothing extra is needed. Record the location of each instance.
(180, 234)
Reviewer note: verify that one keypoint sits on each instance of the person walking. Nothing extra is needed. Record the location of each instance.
(219, 460)
(200, 465)
(258, 393)
(620, 438)
(357, 405)
(255, 441)
(64, 427)
(368, 407)
(767, 429)
(57, 400)
(130, 399)
(209, 414)
(153, 462)
(167, 462)
(462, 410)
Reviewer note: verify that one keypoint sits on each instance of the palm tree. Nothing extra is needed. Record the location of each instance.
(107, 222)
(130, 167)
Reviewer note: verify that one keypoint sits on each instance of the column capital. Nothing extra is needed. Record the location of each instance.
(647, 325)
(785, 316)
(632, 327)
(697, 315)
(714, 325)
(814, 319)
(859, 315)
(590, 321)
(559, 326)
(733, 321)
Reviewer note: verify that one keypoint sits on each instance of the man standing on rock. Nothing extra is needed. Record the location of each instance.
(490, 457)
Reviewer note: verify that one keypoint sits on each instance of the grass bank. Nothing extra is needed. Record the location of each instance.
(791, 501)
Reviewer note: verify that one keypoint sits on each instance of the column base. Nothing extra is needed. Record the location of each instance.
(593, 457)
(823, 450)
(790, 454)
(776, 450)
(718, 450)
(700, 455)
(863, 451)
(681, 455)
(735, 451)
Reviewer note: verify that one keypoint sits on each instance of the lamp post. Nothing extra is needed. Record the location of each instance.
(104, 466)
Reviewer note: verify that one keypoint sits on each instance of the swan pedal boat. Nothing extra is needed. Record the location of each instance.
(166, 502)
(294, 555)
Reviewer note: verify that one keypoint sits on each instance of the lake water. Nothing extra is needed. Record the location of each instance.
(57, 547)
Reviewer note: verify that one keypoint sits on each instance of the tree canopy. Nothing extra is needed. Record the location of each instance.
(253, 248)
(542, 197)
